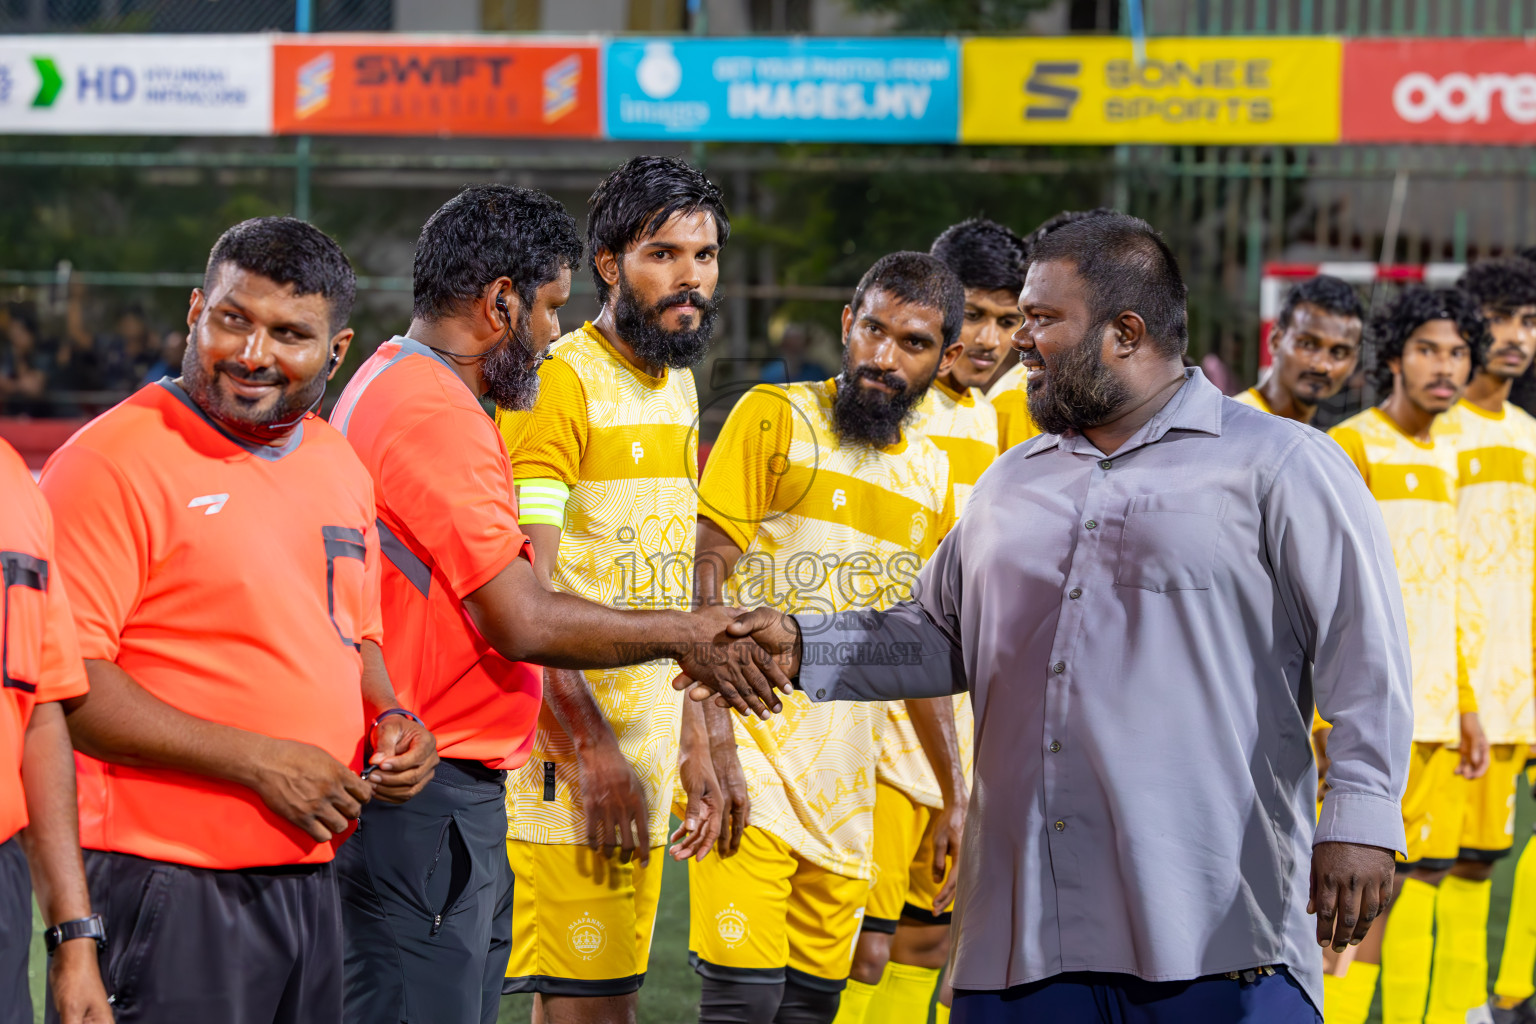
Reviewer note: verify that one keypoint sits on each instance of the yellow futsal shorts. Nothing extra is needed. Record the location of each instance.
(581, 921)
(767, 913)
(1488, 827)
(1433, 806)
(903, 885)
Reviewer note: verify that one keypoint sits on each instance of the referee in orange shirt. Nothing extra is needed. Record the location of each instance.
(39, 666)
(219, 545)
(426, 888)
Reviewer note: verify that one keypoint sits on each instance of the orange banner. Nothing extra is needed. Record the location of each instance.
(353, 86)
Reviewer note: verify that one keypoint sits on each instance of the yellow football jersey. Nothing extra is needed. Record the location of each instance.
(1255, 398)
(822, 527)
(1011, 401)
(625, 444)
(1496, 509)
(1415, 486)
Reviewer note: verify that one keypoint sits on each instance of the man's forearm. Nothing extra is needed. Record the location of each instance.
(121, 722)
(933, 720)
(378, 692)
(51, 839)
(571, 702)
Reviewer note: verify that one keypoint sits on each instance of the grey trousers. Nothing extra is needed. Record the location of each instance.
(15, 934)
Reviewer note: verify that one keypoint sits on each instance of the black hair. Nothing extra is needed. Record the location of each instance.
(1058, 221)
(486, 232)
(1416, 306)
(25, 314)
(1503, 285)
(985, 255)
(1527, 252)
(639, 197)
(920, 279)
(1326, 293)
(1124, 265)
(289, 251)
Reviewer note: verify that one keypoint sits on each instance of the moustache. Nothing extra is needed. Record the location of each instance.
(270, 375)
(1509, 350)
(890, 378)
(684, 298)
(1442, 382)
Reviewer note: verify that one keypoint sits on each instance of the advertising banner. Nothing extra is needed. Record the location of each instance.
(1440, 90)
(136, 85)
(1189, 90)
(396, 85)
(812, 90)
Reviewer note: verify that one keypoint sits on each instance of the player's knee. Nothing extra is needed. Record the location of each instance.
(1473, 870)
(870, 956)
(921, 945)
(735, 1002)
(804, 1004)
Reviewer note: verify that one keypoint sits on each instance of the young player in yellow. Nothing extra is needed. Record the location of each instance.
(1496, 504)
(605, 464)
(819, 497)
(1423, 348)
(1313, 350)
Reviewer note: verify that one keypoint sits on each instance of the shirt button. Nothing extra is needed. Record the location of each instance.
(1055, 746)
(1061, 826)
(1091, 524)
(1059, 667)
(1075, 593)
(821, 694)
(1105, 464)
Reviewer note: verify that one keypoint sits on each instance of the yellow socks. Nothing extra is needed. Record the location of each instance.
(1407, 950)
(940, 1014)
(855, 1002)
(1519, 960)
(904, 994)
(1347, 999)
(1460, 978)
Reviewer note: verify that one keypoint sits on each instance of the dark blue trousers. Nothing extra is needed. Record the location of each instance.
(1092, 998)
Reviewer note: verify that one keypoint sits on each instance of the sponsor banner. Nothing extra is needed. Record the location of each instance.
(1440, 90)
(396, 85)
(1189, 90)
(849, 90)
(136, 85)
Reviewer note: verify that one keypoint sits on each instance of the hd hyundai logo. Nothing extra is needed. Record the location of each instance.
(1044, 84)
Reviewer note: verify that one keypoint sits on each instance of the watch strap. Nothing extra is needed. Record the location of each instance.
(91, 927)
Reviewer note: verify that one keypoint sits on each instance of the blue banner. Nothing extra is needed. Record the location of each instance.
(784, 90)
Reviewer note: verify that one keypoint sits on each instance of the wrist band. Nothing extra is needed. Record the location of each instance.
(396, 711)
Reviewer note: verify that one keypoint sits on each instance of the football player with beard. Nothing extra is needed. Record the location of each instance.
(427, 895)
(821, 496)
(605, 464)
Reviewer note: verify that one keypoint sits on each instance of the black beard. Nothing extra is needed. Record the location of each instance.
(234, 411)
(863, 415)
(510, 371)
(1079, 391)
(640, 328)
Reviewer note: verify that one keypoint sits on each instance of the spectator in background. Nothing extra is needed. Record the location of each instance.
(172, 347)
(792, 364)
(23, 367)
(125, 356)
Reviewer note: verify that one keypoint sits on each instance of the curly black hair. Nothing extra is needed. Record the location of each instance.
(486, 232)
(1326, 293)
(985, 255)
(1390, 329)
(289, 251)
(920, 279)
(1502, 285)
(639, 197)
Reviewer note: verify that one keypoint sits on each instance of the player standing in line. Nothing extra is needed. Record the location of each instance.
(1496, 507)
(1313, 350)
(427, 892)
(606, 463)
(219, 545)
(40, 666)
(819, 496)
(1423, 349)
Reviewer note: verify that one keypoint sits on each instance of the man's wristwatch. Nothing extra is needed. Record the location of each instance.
(80, 928)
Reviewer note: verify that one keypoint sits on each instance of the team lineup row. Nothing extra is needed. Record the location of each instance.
(320, 777)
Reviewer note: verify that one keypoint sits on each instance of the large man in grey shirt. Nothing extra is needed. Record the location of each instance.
(1144, 603)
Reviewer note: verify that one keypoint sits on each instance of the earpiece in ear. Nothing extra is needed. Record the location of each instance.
(331, 366)
(501, 304)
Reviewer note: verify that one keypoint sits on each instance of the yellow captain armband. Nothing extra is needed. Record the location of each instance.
(542, 500)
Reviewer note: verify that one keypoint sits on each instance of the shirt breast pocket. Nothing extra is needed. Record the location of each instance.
(1169, 541)
(345, 571)
(22, 617)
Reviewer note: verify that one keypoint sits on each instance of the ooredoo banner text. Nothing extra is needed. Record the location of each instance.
(1440, 90)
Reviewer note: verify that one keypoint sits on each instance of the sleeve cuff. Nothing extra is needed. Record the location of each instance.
(1361, 819)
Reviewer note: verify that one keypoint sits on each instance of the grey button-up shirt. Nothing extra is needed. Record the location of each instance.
(1143, 636)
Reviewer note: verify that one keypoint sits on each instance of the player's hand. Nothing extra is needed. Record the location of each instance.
(736, 806)
(1474, 747)
(613, 803)
(701, 813)
(1351, 886)
(404, 758)
(948, 826)
(310, 788)
(731, 665)
(74, 978)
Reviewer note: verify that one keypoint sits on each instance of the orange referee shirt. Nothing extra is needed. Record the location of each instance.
(233, 582)
(39, 658)
(447, 525)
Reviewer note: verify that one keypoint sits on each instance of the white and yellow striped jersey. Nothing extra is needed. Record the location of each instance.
(1496, 510)
(1011, 402)
(823, 527)
(1255, 398)
(620, 449)
(1415, 486)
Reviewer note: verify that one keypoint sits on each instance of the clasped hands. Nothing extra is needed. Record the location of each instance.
(747, 660)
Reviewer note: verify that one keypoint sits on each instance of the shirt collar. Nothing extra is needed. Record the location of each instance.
(266, 452)
(1196, 407)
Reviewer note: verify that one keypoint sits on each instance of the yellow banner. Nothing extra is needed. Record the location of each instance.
(1189, 90)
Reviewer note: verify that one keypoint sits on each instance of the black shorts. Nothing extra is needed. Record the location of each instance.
(15, 934)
